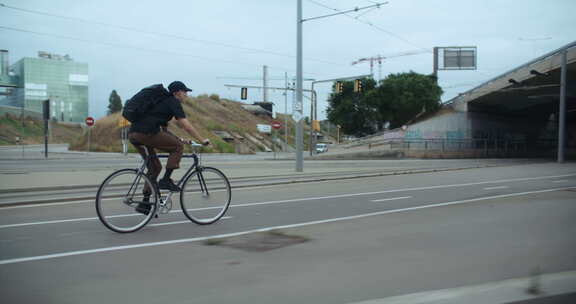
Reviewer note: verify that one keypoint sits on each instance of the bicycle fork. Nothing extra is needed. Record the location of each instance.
(202, 183)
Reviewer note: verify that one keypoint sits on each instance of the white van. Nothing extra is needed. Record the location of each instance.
(321, 148)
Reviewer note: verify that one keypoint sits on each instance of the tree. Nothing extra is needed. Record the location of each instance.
(349, 109)
(398, 99)
(405, 96)
(114, 103)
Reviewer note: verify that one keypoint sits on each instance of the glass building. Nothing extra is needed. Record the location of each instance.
(54, 77)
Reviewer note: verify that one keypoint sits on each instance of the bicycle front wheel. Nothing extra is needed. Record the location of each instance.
(205, 196)
(120, 195)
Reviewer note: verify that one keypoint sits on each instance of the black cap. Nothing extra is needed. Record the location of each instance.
(178, 86)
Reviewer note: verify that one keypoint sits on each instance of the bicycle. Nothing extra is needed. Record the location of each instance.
(204, 197)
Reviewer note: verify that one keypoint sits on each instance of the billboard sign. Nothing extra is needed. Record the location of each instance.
(456, 58)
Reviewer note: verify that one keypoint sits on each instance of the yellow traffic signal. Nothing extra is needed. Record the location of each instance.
(339, 87)
(316, 125)
(358, 86)
(244, 93)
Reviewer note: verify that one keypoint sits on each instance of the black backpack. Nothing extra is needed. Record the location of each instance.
(137, 106)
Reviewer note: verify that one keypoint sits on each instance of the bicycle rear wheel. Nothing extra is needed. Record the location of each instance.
(205, 196)
(118, 197)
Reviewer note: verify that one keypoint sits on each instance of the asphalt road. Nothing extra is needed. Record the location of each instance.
(366, 238)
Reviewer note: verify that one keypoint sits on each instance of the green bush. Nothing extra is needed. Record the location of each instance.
(215, 97)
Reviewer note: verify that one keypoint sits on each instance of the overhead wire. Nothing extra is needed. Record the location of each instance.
(161, 34)
(118, 45)
(370, 24)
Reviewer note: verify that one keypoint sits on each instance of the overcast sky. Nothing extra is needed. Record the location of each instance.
(208, 44)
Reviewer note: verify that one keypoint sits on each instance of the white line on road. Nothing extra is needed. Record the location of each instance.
(391, 199)
(89, 219)
(42, 204)
(560, 181)
(495, 188)
(263, 203)
(379, 192)
(182, 222)
(49, 222)
(266, 229)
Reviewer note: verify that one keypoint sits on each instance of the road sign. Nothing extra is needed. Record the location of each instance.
(263, 128)
(276, 125)
(89, 121)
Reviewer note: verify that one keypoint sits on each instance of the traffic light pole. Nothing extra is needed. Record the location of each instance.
(299, 73)
(314, 107)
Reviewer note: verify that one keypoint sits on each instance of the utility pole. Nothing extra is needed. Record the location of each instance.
(298, 104)
(435, 64)
(286, 113)
(299, 74)
(562, 110)
(265, 84)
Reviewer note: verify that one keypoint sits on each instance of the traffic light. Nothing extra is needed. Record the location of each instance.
(316, 125)
(358, 85)
(244, 93)
(339, 87)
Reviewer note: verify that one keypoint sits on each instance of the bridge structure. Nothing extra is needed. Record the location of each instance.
(528, 111)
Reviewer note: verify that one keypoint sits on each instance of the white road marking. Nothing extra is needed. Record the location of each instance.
(386, 191)
(278, 201)
(182, 222)
(266, 229)
(495, 188)
(560, 181)
(391, 199)
(43, 204)
(49, 222)
(89, 218)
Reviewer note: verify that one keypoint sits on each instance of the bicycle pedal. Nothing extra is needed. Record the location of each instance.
(156, 215)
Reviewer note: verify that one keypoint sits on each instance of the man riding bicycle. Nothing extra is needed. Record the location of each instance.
(150, 133)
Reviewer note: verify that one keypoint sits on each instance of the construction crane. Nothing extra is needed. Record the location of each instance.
(379, 59)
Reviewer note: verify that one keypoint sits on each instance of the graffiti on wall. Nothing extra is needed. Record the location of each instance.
(419, 134)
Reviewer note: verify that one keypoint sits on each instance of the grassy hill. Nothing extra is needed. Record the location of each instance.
(230, 128)
(31, 131)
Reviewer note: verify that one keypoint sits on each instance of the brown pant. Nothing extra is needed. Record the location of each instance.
(146, 144)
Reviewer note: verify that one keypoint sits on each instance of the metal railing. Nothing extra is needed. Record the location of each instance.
(480, 147)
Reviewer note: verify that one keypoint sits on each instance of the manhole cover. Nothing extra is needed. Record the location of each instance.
(259, 242)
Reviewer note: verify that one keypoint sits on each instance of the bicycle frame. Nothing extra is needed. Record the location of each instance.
(166, 202)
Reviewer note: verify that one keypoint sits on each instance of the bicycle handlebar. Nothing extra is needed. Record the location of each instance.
(194, 144)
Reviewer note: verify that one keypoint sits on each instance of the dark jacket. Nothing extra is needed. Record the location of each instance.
(159, 116)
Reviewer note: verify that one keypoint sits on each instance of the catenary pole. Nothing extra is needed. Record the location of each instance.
(562, 110)
(298, 105)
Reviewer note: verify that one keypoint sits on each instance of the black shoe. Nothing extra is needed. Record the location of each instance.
(144, 208)
(168, 184)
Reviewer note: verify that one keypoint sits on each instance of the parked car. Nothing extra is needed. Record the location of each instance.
(321, 148)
